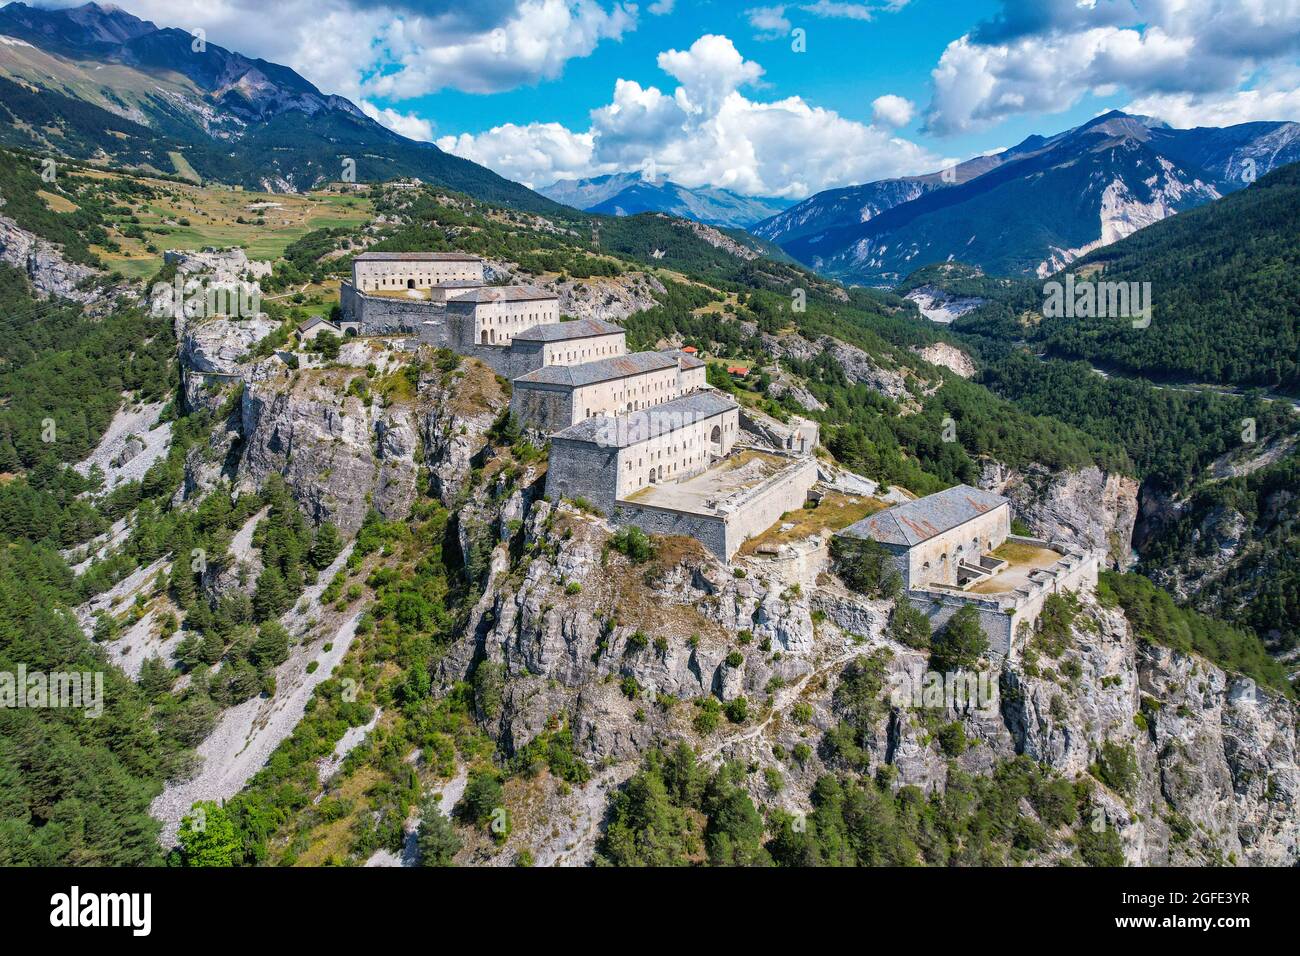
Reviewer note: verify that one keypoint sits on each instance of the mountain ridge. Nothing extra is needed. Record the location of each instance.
(1038, 206)
(626, 194)
(190, 102)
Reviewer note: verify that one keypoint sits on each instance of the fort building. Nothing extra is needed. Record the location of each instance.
(955, 548)
(554, 397)
(642, 435)
(494, 315)
(571, 343)
(394, 271)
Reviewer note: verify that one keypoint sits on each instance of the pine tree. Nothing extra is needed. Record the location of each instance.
(437, 839)
(271, 598)
(326, 547)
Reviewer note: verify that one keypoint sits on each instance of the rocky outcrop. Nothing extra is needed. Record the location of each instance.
(1086, 507)
(42, 262)
(221, 265)
(212, 353)
(340, 455)
(949, 357)
(610, 298)
(462, 405)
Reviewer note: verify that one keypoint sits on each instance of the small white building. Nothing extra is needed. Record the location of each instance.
(307, 331)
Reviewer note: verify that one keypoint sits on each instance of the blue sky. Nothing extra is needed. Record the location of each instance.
(713, 93)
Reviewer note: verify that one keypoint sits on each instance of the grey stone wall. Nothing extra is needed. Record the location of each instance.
(382, 314)
(764, 505)
(579, 469)
(998, 625)
(710, 530)
(547, 410)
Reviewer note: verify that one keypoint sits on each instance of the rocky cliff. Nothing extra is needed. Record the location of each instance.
(1187, 764)
(1087, 507)
(341, 449)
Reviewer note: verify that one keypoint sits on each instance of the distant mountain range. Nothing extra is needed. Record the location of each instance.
(626, 194)
(95, 81)
(1031, 209)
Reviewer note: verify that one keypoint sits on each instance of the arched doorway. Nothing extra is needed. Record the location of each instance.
(652, 476)
(715, 440)
(484, 339)
(410, 283)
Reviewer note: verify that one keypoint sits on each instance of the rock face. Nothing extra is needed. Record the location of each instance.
(339, 455)
(949, 357)
(610, 298)
(223, 265)
(42, 262)
(212, 350)
(857, 364)
(1086, 507)
(462, 407)
(574, 627)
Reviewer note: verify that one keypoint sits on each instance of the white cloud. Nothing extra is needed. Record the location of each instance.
(709, 71)
(535, 155)
(704, 132)
(404, 48)
(661, 8)
(771, 23)
(534, 44)
(1278, 100)
(406, 124)
(891, 110)
(1045, 55)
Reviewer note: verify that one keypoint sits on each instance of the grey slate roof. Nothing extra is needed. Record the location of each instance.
(631, 428)
(502, 293)
(314, 321)
(917, 521)
(684, 359)
(601, 370)
(417, 257)
(563, 331)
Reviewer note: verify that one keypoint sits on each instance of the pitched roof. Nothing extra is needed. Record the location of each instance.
(314, 321)
(601, 370)
(631, 428)
(417, 257)
(917, 521)
(563, 331)
(684, 358)
(502, 293)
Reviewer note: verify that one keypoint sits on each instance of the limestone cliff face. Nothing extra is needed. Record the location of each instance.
(211, 353)
(42, 262)
(568, 628)
(1088, 507)
(461, 406)
(339, 455)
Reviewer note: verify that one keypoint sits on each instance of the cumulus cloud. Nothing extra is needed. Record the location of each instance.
(1278, 99)
(405, 124)
(706, 131)
(398, 49)
(891, 110)
(1045, 55)
(536, 155)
